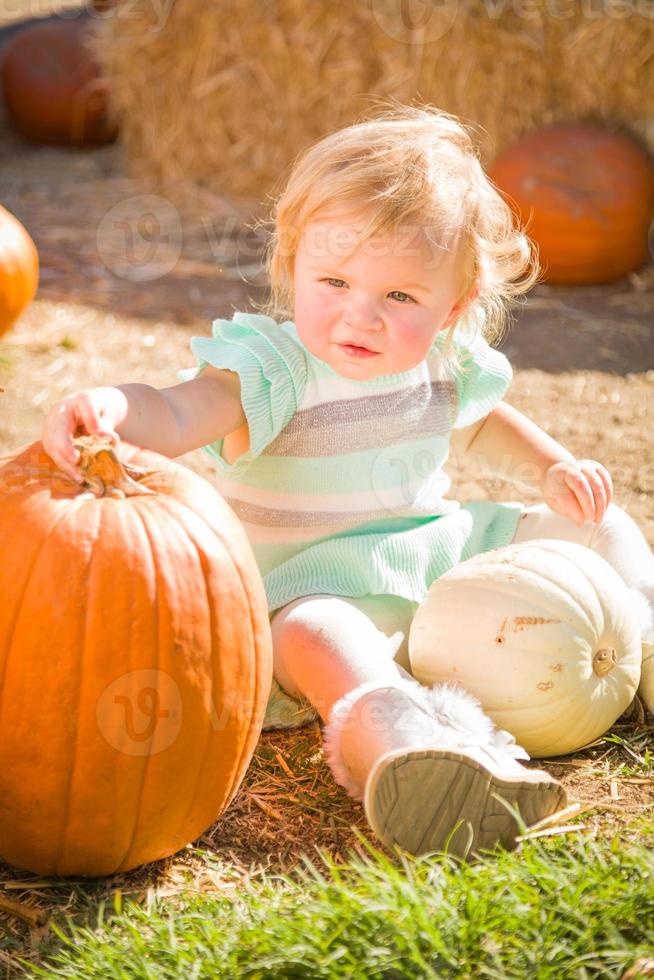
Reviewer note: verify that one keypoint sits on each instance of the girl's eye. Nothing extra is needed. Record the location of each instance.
(332, 282)
(405, 296)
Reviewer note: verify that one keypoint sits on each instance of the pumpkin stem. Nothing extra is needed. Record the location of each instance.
(604, 661)
(104, 473)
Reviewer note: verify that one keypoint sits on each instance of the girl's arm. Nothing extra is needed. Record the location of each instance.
(509, 445)
(171, 421)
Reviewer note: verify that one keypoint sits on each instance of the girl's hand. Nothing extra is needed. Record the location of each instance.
(96, 411)
(580, 489)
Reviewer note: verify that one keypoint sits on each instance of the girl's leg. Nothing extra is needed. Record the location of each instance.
(325, 646)
(617, 538)
(424, 761)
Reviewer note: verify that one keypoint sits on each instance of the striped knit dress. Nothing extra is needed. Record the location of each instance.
(342, 490)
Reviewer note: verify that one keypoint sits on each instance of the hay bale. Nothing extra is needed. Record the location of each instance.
(609, 71)
(217, 95)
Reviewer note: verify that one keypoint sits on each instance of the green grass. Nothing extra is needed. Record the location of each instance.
(560, 907)
(641, 757)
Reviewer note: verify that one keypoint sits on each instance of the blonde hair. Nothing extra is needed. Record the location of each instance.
(408, 164)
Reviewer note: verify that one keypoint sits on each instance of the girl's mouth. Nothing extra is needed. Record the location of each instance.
(358, 351)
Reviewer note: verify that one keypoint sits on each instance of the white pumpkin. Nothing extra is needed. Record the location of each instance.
(544, 633)
(646, 689)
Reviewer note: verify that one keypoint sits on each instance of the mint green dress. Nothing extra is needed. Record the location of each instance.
(342, 490)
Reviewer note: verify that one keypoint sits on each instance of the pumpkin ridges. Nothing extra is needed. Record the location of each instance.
(206, 754)
(228, 786)
(557, 744)
(503, 584)
(132, 772)
(255, 698)
(262, 681)
(167, 582)
(517, 562)
(20, 530)
(514, 685)
(95, 823)
(152, 629)
(39, 799)
(199, 532)
(90, 519)
(526, 657)
(19, 269)
(12, 526)
(142, 515)
(106, 764)
(60, 860)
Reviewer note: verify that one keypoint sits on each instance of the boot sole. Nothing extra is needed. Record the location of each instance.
(429, 800)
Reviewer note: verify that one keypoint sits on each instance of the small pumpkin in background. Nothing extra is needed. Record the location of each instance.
(586, 197)
(135, 660)
(19, 269)
(544, 633)
(53, 89)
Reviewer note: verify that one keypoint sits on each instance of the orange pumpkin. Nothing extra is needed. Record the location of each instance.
(586, 196)
(135, 664)
(19, 269)
(53, 89)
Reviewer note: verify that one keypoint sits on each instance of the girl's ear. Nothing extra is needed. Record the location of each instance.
(472, 295)
(460, 306)
(452, 315)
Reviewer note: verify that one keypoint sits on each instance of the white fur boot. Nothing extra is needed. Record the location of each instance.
(432, 769)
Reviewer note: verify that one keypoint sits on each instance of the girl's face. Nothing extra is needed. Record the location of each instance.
(372, 308)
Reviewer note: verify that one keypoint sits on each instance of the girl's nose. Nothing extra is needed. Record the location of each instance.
(363, 312)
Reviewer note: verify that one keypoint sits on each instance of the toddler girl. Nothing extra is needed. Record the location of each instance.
(392, 262)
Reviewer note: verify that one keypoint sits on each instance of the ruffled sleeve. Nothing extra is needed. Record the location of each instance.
(482, 380)
(272, 367)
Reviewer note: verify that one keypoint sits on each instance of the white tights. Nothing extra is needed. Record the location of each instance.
(325, 646)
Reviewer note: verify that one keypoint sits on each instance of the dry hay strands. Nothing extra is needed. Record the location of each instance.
(234, 103)
(607, 67)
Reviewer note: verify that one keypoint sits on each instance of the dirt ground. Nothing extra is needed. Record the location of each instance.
(127, 278)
